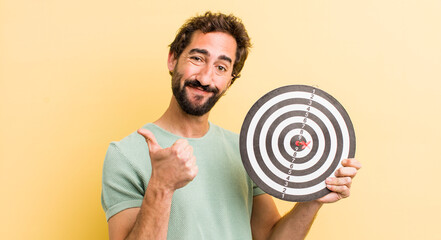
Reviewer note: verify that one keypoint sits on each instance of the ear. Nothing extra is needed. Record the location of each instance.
(171, 62)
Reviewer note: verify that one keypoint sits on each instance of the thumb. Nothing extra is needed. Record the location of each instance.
(150, 139)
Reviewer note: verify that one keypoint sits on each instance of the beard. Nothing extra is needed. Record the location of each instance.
(183, 100)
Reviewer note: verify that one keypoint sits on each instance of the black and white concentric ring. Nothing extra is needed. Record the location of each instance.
(273, 126)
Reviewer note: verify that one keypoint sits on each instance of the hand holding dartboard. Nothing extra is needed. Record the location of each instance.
(292, 139)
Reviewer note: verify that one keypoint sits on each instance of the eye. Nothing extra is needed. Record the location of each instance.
(221, 68)
(196, 58)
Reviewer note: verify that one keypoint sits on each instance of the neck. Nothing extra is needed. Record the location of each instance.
(178, 122)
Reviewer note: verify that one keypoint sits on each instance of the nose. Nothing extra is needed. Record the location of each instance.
(205, 76)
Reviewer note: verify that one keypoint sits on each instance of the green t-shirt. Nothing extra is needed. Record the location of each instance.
(217, 204)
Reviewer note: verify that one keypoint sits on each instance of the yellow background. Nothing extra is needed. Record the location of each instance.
(76, 75)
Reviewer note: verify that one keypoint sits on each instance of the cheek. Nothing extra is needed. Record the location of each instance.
(222, 85)
(188, 70)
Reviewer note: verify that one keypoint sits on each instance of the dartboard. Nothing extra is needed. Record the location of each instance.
(292, 139)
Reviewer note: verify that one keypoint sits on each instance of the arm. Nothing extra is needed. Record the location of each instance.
(266, 222)
(150, 221)
(295, 225)
(172, 168)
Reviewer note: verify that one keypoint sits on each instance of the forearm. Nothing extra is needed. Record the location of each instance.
(153, 217)
(296, 224)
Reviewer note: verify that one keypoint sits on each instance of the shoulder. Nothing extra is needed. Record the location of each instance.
(130, 146)
(132, 141)
(131, 151)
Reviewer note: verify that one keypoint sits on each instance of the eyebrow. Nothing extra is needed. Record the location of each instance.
(198, 50)
(206, 53)
(223, 57)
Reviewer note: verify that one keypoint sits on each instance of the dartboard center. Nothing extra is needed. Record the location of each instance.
(299, 143)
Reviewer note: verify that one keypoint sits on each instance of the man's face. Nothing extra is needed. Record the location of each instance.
(202, 73)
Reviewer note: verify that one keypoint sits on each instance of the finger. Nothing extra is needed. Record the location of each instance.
(178, 148)
(192, 161)
(195, 168)
(346, 172)
(186, 152)
(194, 172)
(343, 191)
(150, 139)
(339, 181)
(351, 162)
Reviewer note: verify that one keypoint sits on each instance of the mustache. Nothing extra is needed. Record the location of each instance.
(197, 84)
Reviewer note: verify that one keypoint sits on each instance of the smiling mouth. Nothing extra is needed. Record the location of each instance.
(199, 92)
(199, 88)
(197, 85)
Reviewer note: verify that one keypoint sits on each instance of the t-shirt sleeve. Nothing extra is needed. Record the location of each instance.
(121, 185)
(256, 190)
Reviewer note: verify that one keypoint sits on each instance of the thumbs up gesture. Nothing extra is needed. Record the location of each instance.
(173, 167)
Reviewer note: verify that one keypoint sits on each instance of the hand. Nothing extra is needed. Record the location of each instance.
(172, 167)
(340, 185)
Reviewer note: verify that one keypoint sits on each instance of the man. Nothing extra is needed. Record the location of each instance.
(158, 191)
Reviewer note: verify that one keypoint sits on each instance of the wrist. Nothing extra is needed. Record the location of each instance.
(315, 204)
(157, 190)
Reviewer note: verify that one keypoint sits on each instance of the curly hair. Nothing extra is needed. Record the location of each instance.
(215, 22)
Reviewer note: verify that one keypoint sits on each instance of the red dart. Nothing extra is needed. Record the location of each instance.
(304, 145)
